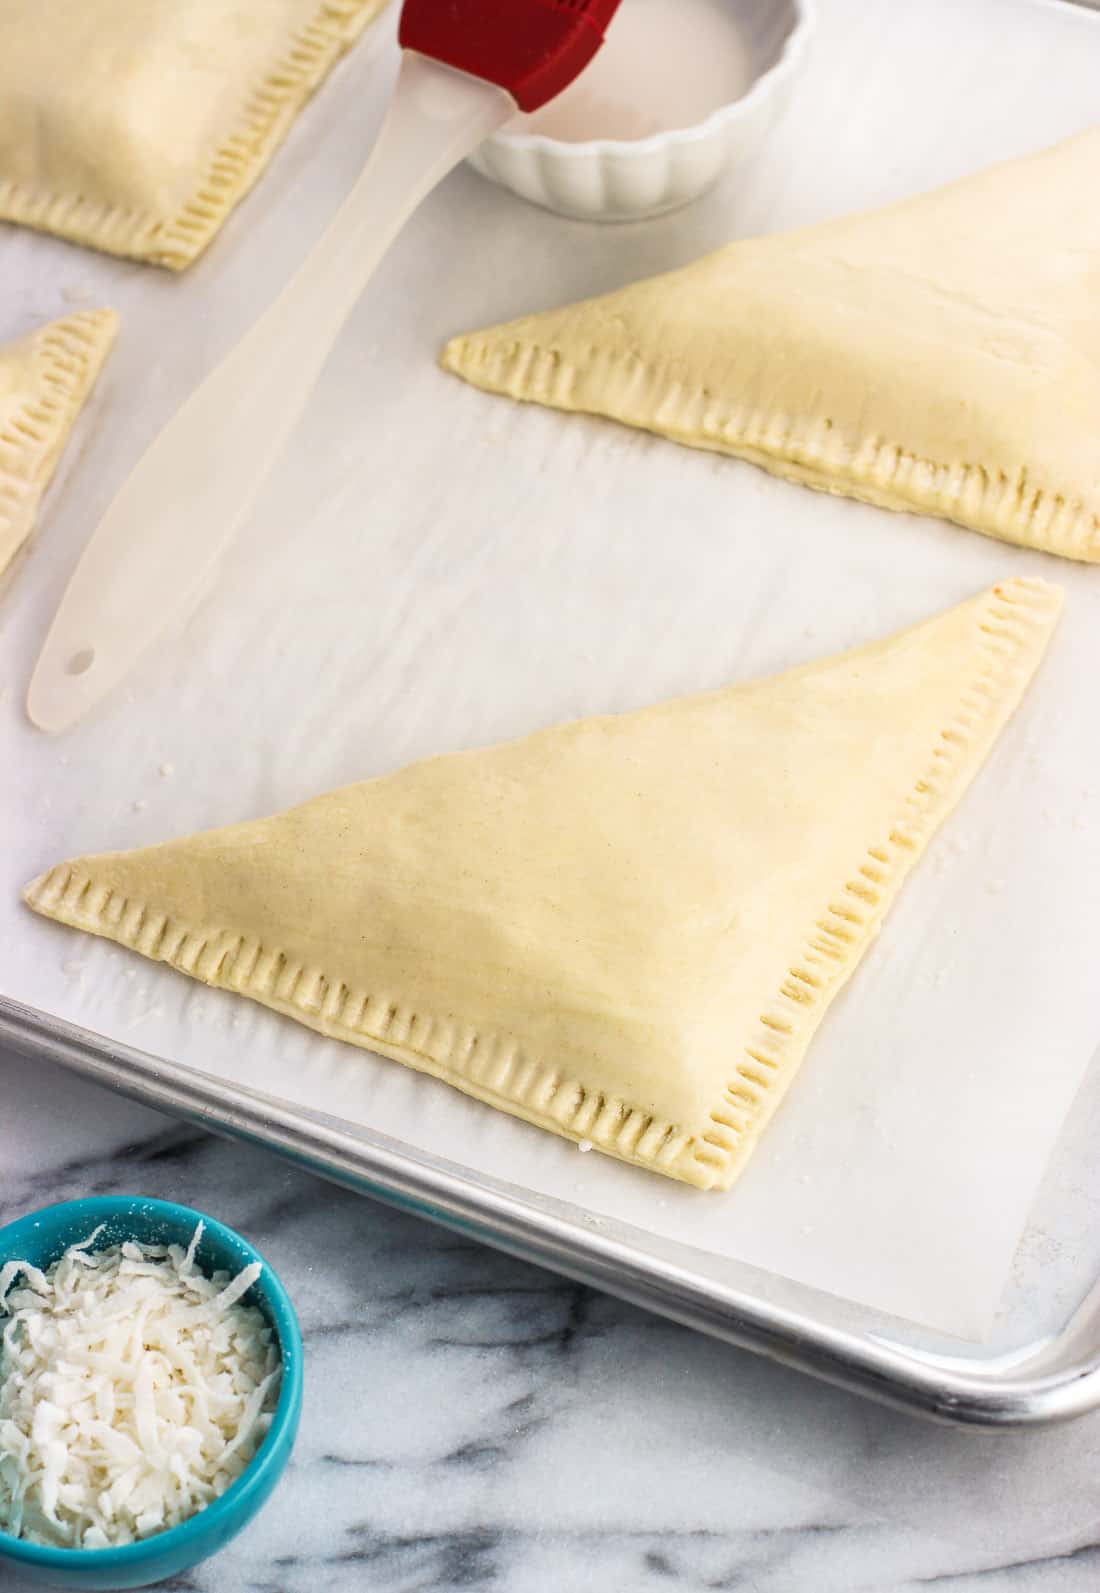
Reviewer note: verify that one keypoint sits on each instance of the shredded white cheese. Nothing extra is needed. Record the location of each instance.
(133, 1391)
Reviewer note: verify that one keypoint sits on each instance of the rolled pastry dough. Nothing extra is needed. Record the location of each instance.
(941, 355)
(44, 380)
(625, 929)
(135, 126)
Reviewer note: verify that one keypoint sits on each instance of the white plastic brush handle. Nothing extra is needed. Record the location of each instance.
(153, 551)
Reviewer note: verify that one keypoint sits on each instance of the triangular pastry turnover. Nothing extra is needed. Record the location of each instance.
(625, 929)
(44, 379)
(940, 355)
(135, 126)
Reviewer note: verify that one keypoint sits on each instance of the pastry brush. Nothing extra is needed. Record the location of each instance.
(467, 66)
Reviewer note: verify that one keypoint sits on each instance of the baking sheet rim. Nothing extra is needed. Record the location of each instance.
(1056, 1379)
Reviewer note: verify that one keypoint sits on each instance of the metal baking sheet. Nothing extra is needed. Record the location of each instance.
(296, 583)
(1052, 1376)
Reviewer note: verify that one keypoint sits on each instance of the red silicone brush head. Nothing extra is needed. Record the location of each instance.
(532, 48)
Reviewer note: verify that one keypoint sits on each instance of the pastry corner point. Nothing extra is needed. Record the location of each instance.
(1046, 598)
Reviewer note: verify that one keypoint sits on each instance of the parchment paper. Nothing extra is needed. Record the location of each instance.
(433, 569)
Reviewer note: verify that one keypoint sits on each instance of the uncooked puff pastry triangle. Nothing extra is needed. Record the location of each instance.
(940, 355)
(135, 126)
(625, 929)
(44, 380)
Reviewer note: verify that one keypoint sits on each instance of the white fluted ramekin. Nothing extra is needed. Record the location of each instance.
(613, 180)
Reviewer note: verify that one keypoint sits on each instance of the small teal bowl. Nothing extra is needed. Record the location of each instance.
(40, 1238)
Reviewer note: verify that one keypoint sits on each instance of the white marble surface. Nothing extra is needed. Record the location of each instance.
(472, 1422)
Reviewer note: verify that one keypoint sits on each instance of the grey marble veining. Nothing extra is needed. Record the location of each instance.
(472, 1422)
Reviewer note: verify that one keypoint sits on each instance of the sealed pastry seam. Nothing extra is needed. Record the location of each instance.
(940, 354)
(806, 449)
(1012, 623)
(239, 159)
(1014, 629)
(65, 359)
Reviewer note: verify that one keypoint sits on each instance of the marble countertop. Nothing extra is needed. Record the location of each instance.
(473, 1422)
